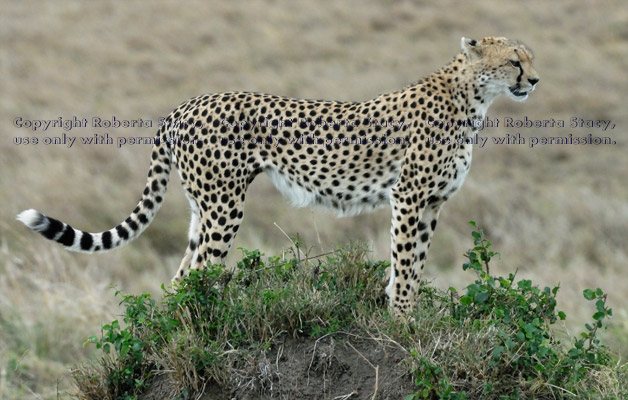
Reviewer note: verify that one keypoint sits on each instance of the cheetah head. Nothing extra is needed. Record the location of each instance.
(502, 66)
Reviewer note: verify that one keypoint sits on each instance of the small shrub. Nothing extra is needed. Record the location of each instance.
(519, 317)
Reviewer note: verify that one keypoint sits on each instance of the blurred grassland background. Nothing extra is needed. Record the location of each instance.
(557, 213)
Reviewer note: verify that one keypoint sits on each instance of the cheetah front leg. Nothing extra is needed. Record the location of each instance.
(411, 232)
(426, 228)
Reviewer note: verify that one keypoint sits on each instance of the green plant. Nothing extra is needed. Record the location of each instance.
(519, 318)
(430, 378)
(587, 350)
(130, 373)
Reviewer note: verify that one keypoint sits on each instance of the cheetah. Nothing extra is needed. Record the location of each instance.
(410, 149)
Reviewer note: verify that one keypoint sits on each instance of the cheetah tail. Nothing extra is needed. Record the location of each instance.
(85, 242)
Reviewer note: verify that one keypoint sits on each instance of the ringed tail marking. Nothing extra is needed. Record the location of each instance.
(86, 242)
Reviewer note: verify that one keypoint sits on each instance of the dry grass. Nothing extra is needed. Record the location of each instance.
(560, 213)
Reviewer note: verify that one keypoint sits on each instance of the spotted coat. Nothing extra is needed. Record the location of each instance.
(410, 149)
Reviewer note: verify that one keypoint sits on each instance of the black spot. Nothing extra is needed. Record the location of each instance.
(132, 224)
(122, 232)
(106, 240)
(54, 226)
(142, 218)
(67, 239)
(86, 241)
(425, 237)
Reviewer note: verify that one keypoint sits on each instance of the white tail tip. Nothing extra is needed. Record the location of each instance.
(32, 218)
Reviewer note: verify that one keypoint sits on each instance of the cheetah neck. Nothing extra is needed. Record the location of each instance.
(473, 92)
(463, 84)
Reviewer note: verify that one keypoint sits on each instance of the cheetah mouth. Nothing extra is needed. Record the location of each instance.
(517, 92)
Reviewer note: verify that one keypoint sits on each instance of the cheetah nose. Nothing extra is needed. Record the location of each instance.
(533, 81)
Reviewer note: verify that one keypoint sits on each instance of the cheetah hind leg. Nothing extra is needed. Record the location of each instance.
(219, 224)
(191, 252)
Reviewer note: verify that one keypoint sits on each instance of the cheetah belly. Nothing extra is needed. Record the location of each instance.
(295, 193)
(300, 195)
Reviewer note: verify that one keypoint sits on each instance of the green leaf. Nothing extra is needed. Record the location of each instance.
(588, 294)
(481, 297)
(124, 350)
(574, 352)
(562, 315)
(599, 315)
(524, 284)
(497, 351)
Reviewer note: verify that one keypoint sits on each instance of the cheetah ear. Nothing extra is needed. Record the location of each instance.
(470, 47)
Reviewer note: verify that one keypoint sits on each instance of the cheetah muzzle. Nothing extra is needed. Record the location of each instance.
(406, 149)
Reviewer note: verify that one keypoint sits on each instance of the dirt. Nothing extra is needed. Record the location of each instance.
(339, 367)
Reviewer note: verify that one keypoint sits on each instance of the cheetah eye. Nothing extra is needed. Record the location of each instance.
(515, 63)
